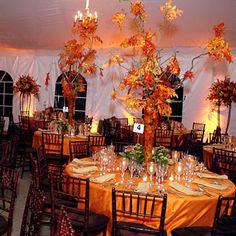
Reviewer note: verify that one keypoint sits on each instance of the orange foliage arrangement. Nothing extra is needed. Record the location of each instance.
(79, 57)
(150, 83)
(26, 85)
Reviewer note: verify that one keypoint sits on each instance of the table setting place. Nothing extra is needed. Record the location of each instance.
(182, 177)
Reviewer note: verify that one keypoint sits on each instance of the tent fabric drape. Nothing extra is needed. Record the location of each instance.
(99, 103)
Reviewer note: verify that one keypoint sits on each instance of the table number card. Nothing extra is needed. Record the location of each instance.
(138, 128)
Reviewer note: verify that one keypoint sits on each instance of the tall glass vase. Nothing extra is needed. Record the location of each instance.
(150, 122)
(71, 107)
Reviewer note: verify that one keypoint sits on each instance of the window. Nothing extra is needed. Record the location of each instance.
(176, 103)
(6, 93)
(80, 103)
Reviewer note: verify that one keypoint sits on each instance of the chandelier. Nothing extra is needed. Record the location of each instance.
(88, 16)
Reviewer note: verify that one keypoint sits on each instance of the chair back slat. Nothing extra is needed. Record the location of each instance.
(225, 216)
(163, 138)
(73, 193)
(224, 162)
(78, 149)
(148, 206)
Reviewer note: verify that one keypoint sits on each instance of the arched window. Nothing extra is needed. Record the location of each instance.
(6, 93)
(60, 103)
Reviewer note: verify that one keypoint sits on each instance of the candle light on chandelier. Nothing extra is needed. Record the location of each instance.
(79, 17)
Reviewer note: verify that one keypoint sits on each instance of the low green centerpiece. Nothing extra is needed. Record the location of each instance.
(160, 154)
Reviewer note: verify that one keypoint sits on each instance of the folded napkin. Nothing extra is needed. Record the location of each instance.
(43, 130)
(143, 187)
(214, 145)
(103, 178)
(210, 185)
(184, 189)
(83, 162)
(83, 170)
(211, 176)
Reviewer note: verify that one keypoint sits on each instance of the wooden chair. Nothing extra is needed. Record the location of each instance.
(224, 221)
(96, 143)
(53, 145)
(197, 131)
(8, 186)
(74, 194)
(64, 227)
(163, 138)
(214, 138)
(137, 207)
(24, 122)
(224, 162)
(78, 149)
(194, 144)
(123, 121)
(8, 153)
(2, 122)
(24, 149)
(120, 146)
(32, 212)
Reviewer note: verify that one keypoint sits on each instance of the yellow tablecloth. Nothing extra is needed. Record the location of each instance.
(182, 210)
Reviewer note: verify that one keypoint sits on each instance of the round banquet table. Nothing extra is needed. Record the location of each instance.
(182, 210)
(207, 154)
(37, 141)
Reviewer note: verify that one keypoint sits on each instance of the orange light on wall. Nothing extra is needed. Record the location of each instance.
(94, 127)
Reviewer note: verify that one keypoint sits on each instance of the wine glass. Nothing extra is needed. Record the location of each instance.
(123, 166)
(163, 171)
(151, 168)
(178, 170)
(132, 167)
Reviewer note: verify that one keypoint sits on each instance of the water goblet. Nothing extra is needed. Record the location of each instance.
(123, 166)
(178, 170)
(132, 167)
(151, 169)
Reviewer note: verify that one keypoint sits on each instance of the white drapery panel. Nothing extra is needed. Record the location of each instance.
(99, 103)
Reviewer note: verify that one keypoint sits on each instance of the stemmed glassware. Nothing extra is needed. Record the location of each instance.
(151, 168)
(123, 166)
(178, 170)
(132, 167)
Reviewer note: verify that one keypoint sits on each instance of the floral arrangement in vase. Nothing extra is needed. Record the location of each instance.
(223, 92)
(26, 86)
(159, 154)
(78, 57)
(150, 82)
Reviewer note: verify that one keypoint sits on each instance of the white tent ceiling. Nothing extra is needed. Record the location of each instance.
(32, 32)
(46, 24)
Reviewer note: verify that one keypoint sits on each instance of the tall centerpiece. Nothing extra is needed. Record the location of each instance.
(77, 58)
(26, 86)
(222, 92)
(150, 81)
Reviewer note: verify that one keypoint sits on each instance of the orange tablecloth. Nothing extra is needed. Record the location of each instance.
(207, 154)
(181, 211)
(37, 141)
(179, 137)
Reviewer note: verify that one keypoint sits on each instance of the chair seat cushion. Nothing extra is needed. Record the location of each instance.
(192, 231)
(3, 225)
(131, 228)
(97, 222)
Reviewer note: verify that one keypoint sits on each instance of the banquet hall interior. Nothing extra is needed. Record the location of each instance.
(117, 117)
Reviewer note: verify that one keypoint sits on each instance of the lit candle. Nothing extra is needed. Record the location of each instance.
(75, 19)
(87, 4)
